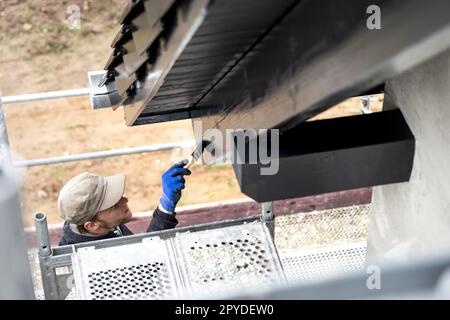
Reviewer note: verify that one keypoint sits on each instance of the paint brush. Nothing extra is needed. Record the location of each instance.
(196, 154)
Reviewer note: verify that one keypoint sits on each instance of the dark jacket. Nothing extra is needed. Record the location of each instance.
(160, 221)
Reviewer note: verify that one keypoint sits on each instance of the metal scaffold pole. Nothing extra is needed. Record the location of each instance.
(48, 273)
(15, 274)
(268, 217)
(47, 95)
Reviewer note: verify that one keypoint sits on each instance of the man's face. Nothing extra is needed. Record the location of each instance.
(112, 217)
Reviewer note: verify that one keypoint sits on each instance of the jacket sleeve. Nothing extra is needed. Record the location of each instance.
(162, 221)
(125, 230)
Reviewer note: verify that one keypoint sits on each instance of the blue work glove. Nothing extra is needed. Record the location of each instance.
(172, 184)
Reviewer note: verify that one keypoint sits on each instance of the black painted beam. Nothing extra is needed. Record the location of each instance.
(334, 155)
(321, 53)
(273, 63)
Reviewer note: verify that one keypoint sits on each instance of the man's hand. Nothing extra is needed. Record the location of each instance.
(172, 184)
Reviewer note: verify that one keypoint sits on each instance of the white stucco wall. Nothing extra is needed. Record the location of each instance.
(409, 220)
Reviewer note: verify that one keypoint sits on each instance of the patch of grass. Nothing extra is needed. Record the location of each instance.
(218, 165)
(56, 171)
(64, 28)
(75, 126)
(56, 47)
(76, 32)
(26, 14)
(51, 28)
(28, 56)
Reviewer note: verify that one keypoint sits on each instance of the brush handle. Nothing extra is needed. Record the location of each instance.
(190, 163)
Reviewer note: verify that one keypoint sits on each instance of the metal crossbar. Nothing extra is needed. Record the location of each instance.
(106, 154)
(46, 95)
(89, 155)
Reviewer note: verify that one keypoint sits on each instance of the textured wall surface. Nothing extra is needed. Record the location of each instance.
(409, 220)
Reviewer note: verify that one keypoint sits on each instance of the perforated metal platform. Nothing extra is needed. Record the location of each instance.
(325, 262)
(211, 261)
(134, 271)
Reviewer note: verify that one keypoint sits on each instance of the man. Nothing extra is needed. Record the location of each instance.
(94, 207)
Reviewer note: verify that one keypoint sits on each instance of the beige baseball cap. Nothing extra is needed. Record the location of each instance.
(83, 196)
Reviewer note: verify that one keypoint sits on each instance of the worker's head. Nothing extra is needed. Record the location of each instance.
(94, 203)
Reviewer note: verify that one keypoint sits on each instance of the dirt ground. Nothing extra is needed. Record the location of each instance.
(38, 52)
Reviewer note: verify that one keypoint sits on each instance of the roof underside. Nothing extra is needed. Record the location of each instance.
(265, 63)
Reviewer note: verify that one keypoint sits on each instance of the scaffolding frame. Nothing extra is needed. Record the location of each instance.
(15, 274)
(50, 259)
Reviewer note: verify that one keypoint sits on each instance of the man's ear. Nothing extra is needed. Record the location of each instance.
(91, 226)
